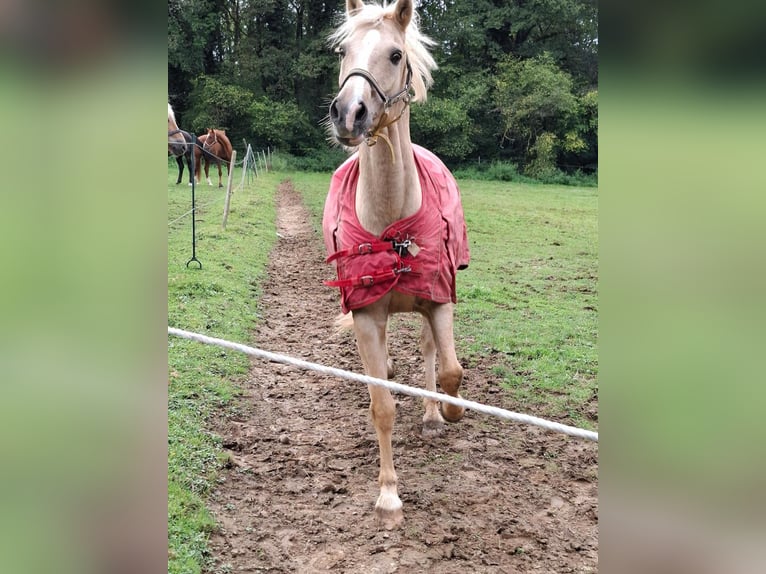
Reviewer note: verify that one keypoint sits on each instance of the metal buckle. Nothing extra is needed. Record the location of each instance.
(364, 248)
(401, 246)
(403, 270)
(367, 280)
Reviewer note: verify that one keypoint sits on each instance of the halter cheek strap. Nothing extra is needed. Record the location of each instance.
(371, 137)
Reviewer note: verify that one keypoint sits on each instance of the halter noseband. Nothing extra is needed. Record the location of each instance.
(404, 94)
(206, 145)
(371, 137)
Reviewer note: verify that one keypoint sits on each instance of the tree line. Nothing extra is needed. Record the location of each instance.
(517, 79)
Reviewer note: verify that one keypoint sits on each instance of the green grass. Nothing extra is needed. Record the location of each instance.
(220, 299)
(529, 298)
(527, 303)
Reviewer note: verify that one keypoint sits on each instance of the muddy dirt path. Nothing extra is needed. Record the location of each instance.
(298, 494)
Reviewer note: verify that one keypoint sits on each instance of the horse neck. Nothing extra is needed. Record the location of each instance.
(387, 190)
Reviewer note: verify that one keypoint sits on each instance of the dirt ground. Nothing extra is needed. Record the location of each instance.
(299, 490)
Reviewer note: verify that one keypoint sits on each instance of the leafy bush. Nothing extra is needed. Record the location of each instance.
(325, 159)
(543, 164)
(507, 171)
(495, 171)
(277, 124)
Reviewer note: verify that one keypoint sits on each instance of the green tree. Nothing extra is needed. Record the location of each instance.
(444, 127)
(222, 106)
(580, 145)
(481, 33)
(535, 96)
(225, 55)
(278, 124)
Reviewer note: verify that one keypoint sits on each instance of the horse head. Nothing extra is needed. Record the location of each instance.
(383, 57)
(210, 139)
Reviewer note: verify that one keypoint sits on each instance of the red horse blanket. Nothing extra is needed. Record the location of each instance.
(419, 255)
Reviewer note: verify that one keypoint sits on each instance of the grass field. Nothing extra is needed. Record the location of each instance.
(528, 301)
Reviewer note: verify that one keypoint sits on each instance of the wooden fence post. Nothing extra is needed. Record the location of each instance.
(228, 189)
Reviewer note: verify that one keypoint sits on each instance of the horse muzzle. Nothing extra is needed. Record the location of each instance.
(351, 121)
(177, 149)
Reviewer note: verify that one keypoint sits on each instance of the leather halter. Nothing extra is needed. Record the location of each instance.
(371, 136)
(207, 145)
(404, 94)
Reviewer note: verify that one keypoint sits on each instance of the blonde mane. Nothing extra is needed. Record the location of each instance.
(171, 115)
(416, 43)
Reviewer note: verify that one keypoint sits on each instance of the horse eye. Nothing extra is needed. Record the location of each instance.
(396, 57)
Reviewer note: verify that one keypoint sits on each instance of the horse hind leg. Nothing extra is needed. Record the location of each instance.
(450, 371)
(207, 173)
(197, 168)
(433, 423)
(220, 176)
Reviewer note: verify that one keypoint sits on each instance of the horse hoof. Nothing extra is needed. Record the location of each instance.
(388, 508)
(389, 519)
(452, 413)
(432, 429)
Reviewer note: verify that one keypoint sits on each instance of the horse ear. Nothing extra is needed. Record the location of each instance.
(353, 5)
(403, 13)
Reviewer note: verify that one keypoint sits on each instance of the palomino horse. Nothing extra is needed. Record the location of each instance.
(217, 148)
(393, 221)
(179, 145)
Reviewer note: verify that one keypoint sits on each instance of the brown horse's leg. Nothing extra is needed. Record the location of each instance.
(433, 423)
(450, 371)
(370, 329)
(220, 183)
(207, 172)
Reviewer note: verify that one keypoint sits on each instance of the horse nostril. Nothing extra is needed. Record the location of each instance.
(334, 113)
(361, 113)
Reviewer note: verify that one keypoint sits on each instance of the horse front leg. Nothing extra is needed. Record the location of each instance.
(190, 164)
(450, 371)
(370, 329)
(180, 162)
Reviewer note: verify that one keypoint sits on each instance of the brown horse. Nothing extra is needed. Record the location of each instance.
(217, 149)
(393, 221)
